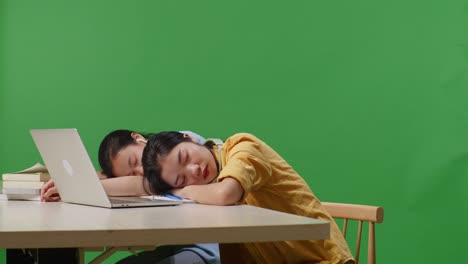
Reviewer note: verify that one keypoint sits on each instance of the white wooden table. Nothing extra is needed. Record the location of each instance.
(25, 224)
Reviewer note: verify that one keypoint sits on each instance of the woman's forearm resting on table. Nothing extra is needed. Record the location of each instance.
(227, 192)
(124, 186)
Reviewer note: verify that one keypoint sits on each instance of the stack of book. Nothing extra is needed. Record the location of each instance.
(25, 184)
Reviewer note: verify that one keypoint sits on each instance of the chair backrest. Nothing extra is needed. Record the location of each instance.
(361, 213)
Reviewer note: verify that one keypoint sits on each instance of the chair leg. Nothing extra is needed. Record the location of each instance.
(371, 246)
(358, 242)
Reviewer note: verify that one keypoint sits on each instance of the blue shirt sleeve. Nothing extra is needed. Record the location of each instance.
(199, 139)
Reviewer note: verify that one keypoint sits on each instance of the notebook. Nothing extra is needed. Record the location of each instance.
(74, 175)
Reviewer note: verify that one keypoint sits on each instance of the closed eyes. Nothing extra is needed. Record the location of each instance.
(183, 158)
(133, 165)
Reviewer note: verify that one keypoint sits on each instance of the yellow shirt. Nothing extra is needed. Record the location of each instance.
(270, 182)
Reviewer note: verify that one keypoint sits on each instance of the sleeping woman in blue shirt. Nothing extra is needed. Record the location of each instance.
(120, 154)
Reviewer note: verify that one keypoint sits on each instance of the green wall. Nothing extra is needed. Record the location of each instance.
(366, 99)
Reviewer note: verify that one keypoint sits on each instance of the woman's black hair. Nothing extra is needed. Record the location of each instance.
(157, 147)
(112, 143)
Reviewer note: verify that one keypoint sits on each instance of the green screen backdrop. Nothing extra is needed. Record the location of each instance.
(366, 99)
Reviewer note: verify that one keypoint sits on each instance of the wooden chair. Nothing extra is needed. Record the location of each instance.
(361, 213)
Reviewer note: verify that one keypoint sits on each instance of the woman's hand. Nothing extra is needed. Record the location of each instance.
(49, 192)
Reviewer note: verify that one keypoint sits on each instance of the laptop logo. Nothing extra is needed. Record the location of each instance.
(68, 168)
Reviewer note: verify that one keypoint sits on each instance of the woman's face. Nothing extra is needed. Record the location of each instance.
(188, 164)
(127, 162)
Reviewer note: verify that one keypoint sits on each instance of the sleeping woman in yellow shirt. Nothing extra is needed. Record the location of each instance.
(243, 170)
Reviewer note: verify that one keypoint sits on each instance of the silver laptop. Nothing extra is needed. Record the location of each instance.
(73, 173)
